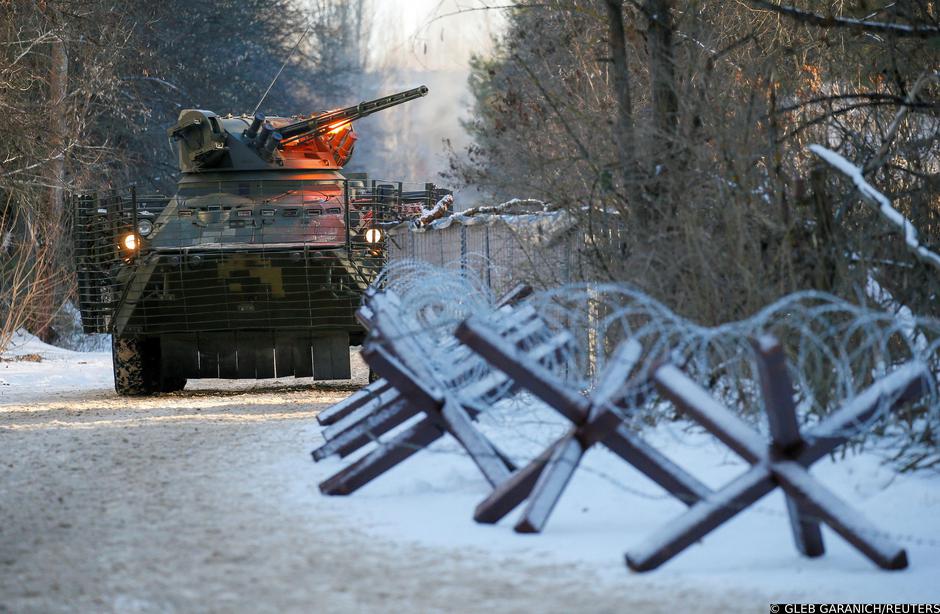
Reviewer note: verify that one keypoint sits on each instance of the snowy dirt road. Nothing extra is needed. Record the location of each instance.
(189, 502)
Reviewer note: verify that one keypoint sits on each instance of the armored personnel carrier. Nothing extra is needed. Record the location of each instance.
(254, 268)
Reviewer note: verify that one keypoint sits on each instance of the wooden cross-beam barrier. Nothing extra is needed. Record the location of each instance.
(369, 417)
(595, 420)
(366, 396)
(420, 389)
(514, 295)
(354, 414)
(784, 462)
(361, 397)
(416, 383)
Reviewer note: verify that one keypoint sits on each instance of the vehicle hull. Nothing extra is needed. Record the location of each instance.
(247, 312)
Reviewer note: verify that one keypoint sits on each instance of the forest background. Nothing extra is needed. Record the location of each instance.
(685, 122)
(89, 87)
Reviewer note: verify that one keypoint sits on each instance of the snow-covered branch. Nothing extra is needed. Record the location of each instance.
(880, 202)
(831, 21)
(436, 212)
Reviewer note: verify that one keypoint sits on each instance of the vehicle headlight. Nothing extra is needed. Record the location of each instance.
(144, 227)
(130, 242)
(373, 235)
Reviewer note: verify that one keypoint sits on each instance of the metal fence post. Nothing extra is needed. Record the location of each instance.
(463, 247)
(348, 219)
(487, 268)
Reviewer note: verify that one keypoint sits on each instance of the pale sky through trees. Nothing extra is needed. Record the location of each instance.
(410, 43)
(429, 42)
(431, 34)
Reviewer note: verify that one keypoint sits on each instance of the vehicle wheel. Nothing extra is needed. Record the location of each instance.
(134, 367)
(172, 384)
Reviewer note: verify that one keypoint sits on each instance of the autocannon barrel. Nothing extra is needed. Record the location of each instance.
(323, 122)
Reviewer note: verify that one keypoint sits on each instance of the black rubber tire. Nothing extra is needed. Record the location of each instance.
(136, 371)
(172, 384)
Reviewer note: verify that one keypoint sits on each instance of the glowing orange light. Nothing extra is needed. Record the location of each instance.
(130, 242)
(337, 127)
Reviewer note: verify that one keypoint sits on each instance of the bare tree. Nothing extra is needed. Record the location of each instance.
(621, 86)
(724, 100)
(87, 91)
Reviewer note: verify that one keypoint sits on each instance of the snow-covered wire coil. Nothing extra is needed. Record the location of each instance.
(835, 349)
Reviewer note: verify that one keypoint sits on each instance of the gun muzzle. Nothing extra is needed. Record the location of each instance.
(256, 124)
(323, 122)
(271, 144)
(262, 139)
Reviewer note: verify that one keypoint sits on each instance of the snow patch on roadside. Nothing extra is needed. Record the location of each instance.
(59, 371)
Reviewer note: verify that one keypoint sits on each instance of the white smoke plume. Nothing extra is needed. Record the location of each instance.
(411, 43)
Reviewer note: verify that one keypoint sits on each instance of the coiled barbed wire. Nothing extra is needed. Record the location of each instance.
(835, 349)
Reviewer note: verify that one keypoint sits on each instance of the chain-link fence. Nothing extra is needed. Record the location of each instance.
(542, 248)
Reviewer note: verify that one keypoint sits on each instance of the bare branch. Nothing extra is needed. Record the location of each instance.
(831, 21)
(879, 159)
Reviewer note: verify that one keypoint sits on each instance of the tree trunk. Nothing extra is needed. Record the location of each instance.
(52, 234)
(662, 76)
(58, 90)
(621, 81)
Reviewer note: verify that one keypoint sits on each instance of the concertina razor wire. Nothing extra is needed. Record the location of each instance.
(834, 348)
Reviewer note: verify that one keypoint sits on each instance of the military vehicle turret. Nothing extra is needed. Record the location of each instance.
(254, 268)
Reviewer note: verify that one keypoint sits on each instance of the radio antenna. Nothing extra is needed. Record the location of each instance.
(286, 60)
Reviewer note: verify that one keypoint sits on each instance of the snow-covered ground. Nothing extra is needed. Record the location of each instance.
(207, 500)
(60, 372)
(609, 507)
